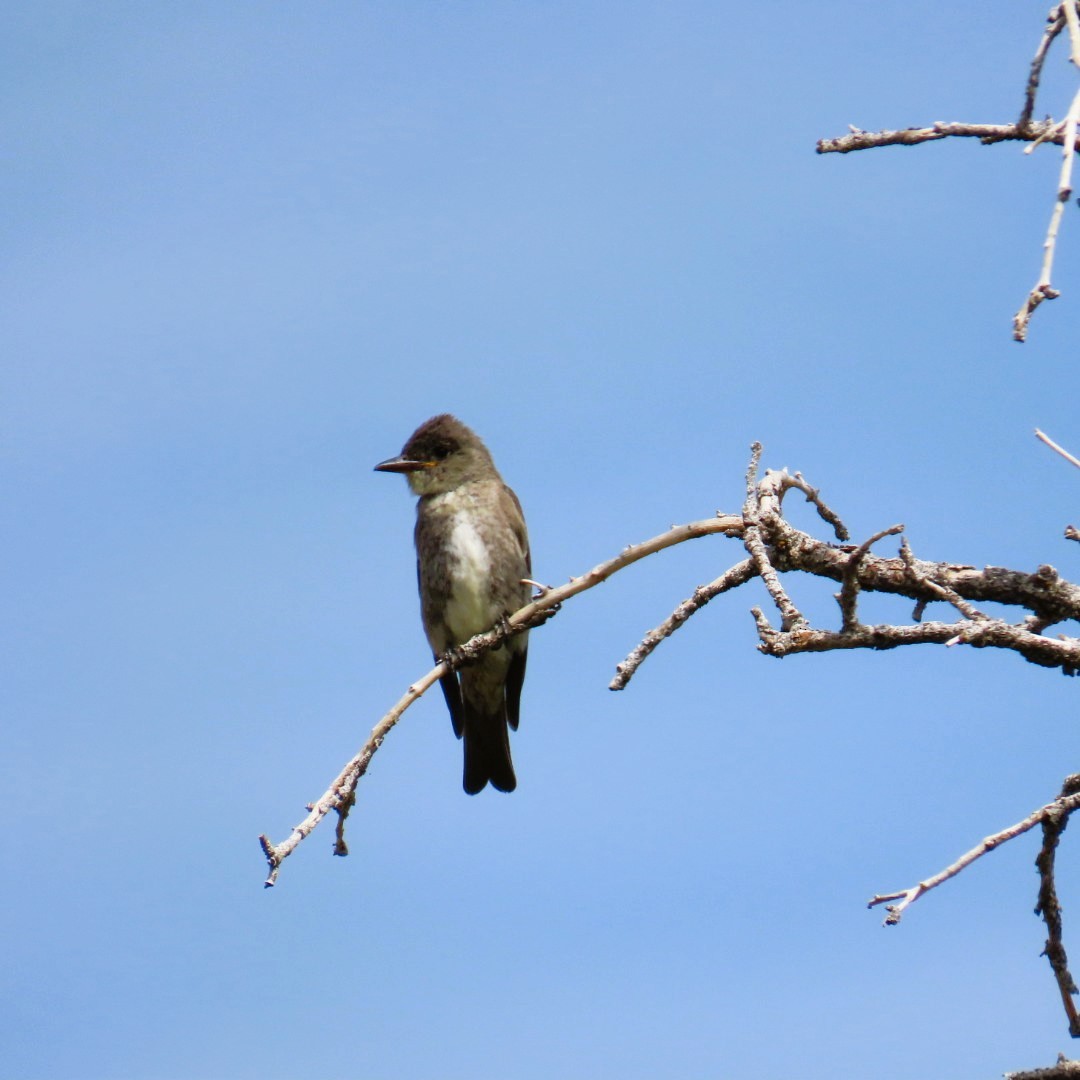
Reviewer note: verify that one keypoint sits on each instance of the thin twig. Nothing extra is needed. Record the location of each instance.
(737, 575)
(752, 470)
(907, 897)
(969, 611)
(1055, 24)
(813, 495)
(848, 595)
(1069, 9)
(1054, 446)
(1043, 290)
(340, 795)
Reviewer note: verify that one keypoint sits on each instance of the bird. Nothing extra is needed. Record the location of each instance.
(472, 566)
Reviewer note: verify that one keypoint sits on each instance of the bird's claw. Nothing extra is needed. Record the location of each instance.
(541, 589)
(454, 658)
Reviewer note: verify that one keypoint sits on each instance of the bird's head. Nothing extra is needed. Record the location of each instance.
(441, 455)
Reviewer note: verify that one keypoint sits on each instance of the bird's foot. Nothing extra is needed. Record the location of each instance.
(455, 657)
(542, 590)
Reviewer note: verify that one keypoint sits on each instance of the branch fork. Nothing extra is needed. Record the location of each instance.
(1062, 133)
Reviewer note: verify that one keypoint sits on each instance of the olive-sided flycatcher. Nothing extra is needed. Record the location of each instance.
(472, 554)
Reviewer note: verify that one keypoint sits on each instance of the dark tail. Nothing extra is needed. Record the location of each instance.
(487, 752)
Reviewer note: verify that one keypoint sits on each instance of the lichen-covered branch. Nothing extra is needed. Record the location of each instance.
(778, 548)
(1063, 1070)
(1055, 819)
(848, 595)
(1038, 131)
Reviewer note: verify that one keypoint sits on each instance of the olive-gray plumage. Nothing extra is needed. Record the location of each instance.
(472, 554)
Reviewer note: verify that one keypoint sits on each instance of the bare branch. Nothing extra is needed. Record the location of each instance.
(993, 633)
(1062, 805)
(814, 496)
(1064, 1069)
(779, 547)
(1054, 446)
(1043, 290)
(752, 470)
(1035, 132)
(1068, 8)
(987, 134)
(1071, 531)
(848, 596)
(1042, 592)
(738, 575)
(1053, 826)
(340, 796)
(1053, 818)
(754, 514)
(947, 594)
(1055, 24)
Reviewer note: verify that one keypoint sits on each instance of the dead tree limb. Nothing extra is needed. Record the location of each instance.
(1061, 133)
(1053, 818)
(774, 548)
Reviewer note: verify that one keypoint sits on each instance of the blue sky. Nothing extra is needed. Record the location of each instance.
(246, 250)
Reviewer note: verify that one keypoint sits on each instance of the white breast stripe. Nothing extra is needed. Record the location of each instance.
(469, 610)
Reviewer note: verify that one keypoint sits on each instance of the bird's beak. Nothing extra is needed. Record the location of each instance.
(402, 465)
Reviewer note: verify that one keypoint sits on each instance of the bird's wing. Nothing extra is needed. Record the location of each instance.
(517, 518)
